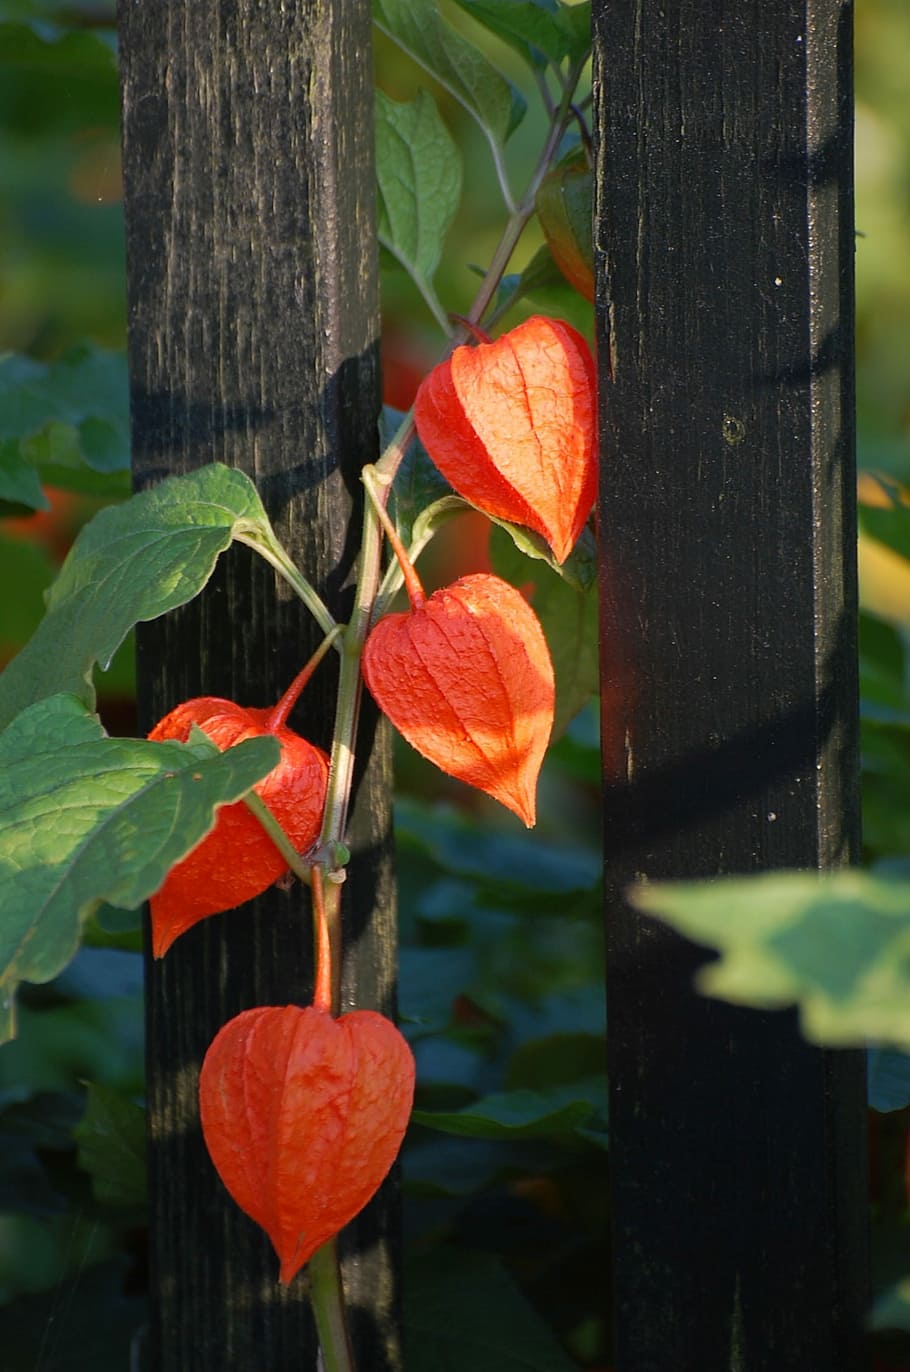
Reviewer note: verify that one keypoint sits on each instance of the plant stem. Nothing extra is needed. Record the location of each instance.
(373, 484)
(328, 1308)
(322, 994)
(275, 555)
(325, 1279)
(279, 716)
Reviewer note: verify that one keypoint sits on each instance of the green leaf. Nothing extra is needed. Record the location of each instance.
(419, 29)
(60, 12)
(20, 483)
(891, 1308)
(837, 945)
(888, 524)
(26, 566)
(569, 618)
(111, 1140)
(418, 167)
(418, 487)
(67, 420)
(532, 28)
(132, 562)
(508, 866)
(556, 1060)
(85, 818)
(463, 1310)
(575, 21)
(523, 1113)
(888, 1079)
(540, 273)
(38, 48)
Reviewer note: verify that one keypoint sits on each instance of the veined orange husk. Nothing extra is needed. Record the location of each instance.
(512, 426)
(303, 1116)
(467, 679)
(237, 860)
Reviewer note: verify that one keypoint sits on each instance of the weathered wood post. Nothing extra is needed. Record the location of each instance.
(253, 309)
(725, 229)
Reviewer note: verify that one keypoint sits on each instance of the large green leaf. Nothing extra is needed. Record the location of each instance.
(132, 562)
(418, 167)
(568, 616)
(85, 818)
(463, 1310)
(531, 28)
(575, 21)
(838, 946)
(419, 29)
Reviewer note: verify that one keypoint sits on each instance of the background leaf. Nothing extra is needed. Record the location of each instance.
(68, 421)
(463, 1310)
(85, 818)
(524, 1113)
(418, 168)
(530, 27)
(111, 1139)
(419, 29)
(888, 1078)
(568, 617)
(132, 562)
(835, 945)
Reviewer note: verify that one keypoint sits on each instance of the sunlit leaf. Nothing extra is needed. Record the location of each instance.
(418, 168)
(531, 28)
(132, 562)
(85, 818)
(838, 946)
(419, 29)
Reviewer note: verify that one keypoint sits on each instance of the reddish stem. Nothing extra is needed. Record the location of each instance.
(477, 333)
(279, 716)
(412, 584)
(322, 991)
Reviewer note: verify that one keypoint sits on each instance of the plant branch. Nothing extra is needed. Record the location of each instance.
(276, 556)
(327, 1299)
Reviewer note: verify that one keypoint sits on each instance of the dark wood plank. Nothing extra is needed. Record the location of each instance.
(253, 327)
(726, 236)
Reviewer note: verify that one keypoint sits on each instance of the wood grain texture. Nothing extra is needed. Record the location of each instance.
(724, 236)
(253, 310)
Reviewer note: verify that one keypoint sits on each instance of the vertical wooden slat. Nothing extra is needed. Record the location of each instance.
(725, 237)
(253, 310)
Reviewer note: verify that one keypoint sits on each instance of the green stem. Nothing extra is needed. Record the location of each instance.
(328, 1308)
(276, 556)
(374, 484)
(325, 1279)
(257, 806)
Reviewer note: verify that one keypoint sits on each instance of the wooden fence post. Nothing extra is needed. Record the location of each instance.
(725, 234)
(253, 309)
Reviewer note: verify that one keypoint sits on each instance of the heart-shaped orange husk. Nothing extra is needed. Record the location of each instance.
(237, 860)
(511, 426)
(466, 677)
(303, 1116)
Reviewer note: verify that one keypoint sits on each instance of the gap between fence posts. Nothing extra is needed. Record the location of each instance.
(724, 230)
(253, 317)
